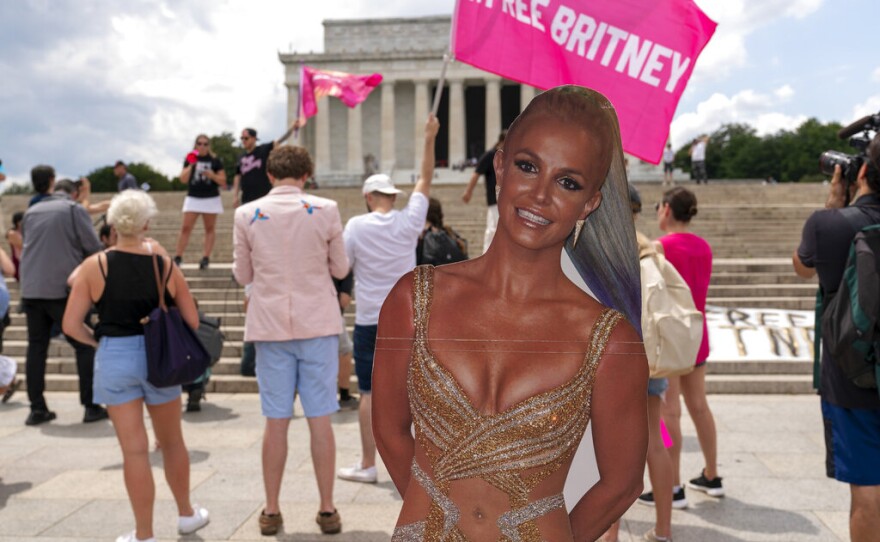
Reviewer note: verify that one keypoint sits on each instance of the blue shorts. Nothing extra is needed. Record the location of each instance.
(307, 366)
(364, 348)
(852, 444)
(657, 386)
(121, 373)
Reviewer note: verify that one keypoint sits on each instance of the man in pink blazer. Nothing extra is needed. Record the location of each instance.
(288, 244)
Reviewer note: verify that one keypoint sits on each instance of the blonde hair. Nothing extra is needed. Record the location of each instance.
(130, 210)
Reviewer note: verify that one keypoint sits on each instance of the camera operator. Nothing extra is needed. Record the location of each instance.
(851, 414)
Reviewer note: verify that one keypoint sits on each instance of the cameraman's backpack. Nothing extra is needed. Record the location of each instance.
(672, 327)
(851, 320)
(440, 246)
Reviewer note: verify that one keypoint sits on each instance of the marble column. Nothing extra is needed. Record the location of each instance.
(493, 112)
(355, 144)
(456, 123)
(322, 137)
(388, 156)
(420, 116)
(526, 93)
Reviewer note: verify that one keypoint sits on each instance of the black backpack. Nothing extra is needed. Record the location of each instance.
(851, 319)
(438, 247)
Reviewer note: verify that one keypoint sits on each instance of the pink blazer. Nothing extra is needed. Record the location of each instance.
(287, 245)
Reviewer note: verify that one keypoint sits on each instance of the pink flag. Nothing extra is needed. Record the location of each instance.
(315, 84)
(638, 53)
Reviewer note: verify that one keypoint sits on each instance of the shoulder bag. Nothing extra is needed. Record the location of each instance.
(175, 355)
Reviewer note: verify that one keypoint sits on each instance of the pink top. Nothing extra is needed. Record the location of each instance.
(287, 244)
(691, 256)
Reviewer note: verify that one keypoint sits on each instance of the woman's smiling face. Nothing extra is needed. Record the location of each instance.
(550, 173)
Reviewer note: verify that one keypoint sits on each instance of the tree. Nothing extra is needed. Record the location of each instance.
(226, 149)
(103, 179)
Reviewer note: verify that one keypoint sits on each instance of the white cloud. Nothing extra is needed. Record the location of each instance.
(747, 107)
(869, 107)
(876, 75)
(784, 92)
(736, 20)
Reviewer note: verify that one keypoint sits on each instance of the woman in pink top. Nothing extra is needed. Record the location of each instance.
(691, 256)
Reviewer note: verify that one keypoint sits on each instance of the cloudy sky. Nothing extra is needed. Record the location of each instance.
(86, 82)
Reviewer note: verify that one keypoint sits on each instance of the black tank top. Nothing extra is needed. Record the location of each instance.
(130, 293)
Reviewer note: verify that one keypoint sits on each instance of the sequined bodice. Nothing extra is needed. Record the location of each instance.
(513, 450)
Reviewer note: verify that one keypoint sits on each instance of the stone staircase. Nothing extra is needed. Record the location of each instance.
(753, 230)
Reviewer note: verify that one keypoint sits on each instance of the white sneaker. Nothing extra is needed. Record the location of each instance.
(356, 473)
(131, 537)
(191, 524)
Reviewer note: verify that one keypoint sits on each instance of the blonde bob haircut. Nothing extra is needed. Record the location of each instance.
(130, 210)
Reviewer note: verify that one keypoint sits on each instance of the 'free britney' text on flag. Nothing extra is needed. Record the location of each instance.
(639, 53)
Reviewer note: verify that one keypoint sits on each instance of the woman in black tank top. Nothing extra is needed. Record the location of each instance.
(121, 283)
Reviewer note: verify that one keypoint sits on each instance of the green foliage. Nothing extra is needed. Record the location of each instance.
(18, 188)
(103, 179)
(735, 151)
(228, 151)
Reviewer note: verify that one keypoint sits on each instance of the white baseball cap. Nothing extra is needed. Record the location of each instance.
(380, 183)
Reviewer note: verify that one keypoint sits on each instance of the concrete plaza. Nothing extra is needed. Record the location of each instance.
(62, 481)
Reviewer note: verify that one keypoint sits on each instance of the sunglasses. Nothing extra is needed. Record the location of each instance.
(245, 138)
(202, 144)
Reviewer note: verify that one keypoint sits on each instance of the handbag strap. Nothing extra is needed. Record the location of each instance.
(160, 282)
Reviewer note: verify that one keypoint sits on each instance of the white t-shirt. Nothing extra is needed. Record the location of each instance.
(698, 153)
(668, 156)
(382, 248)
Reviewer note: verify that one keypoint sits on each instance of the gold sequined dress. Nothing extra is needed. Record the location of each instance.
(513, 450)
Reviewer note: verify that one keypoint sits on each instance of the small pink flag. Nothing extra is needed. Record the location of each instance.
(315, 84)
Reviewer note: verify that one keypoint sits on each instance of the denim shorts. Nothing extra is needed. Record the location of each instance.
(307, 366)
(657, 386)
(852, 444)
(364, 348)
(121, 373)
(345, 344)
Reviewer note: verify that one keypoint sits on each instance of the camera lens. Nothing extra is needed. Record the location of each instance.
(829, 159)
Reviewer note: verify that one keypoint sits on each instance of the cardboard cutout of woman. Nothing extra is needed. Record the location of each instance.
(501, 362)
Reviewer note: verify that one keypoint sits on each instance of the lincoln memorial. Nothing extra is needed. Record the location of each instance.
(384, 133)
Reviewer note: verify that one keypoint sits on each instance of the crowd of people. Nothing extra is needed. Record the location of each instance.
(477, 434)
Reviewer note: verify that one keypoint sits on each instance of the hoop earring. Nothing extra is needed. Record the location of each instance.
(578, 226)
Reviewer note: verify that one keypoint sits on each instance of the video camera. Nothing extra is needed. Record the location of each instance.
(859, 138)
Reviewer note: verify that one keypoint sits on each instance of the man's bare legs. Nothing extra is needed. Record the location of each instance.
(864, 513)
(323, 447)
(274, 459)
(365, 419)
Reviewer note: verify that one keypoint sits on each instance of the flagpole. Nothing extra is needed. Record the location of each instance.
(438, 92)
(299, 91)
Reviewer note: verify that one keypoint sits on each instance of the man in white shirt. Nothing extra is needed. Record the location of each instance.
(381, 247)
(698, 159)
(668, 165)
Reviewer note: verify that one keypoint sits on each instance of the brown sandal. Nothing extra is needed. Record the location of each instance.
(330, 522)
(270, 523)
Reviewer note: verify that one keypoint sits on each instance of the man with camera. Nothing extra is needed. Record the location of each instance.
(851, 414)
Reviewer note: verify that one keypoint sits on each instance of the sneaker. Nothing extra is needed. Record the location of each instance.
(349, 403)
(711, 488)
(95, 413)
(36, 417)
(679, 501)
(269, 524)
(10, 390)
(204, 263)
(131, 537)
(191, 524)
(178, 260)
(651, 536)
(330, 522)
(356, 473)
